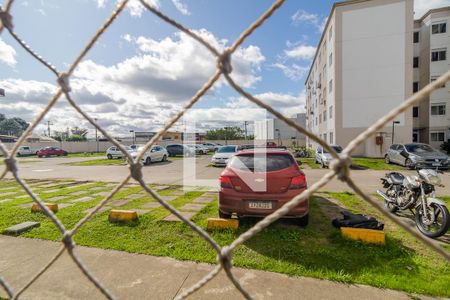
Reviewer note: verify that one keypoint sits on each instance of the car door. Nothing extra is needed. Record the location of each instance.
(395, 154)
(400, 150)
(318, 154)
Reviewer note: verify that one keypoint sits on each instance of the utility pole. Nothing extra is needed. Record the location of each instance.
(393, 125)
(96, 134)
(245, 129)
(48, 127)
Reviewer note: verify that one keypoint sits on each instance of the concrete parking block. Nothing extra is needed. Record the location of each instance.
(192, 206)
(22, 196)
(141, 212)
(26, 205)
(203, 199)
(79, 193)
(64, 205)
(6, 200)
(173, 218)
(160, 187)
(104, 208)
(95, 188)
(135, 196)
(50, 191)
(151, 205)
(168, 198)
(176, 193)
(22, 227)
(83, 199)
(57, 198)
(121, 202)
(7, 194)
(103, 194)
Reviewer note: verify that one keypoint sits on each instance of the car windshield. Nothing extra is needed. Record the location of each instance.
(227, 149)
(418, 148)
(262, 163)
(338, 149)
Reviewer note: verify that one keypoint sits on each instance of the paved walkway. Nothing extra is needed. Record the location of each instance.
(132, 276)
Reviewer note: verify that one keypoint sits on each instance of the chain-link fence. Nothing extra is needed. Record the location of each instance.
(339, 166)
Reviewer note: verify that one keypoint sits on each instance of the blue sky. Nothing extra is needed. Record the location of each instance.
(143, 70)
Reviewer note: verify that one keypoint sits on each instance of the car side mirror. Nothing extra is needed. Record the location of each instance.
(404, 154)
(299, 163)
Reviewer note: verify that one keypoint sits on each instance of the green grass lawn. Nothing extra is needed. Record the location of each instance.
(86, 154)
(99, 162)
(358, 163)
(317, 251)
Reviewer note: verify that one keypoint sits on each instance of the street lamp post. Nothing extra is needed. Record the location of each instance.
(133, 136)
(226, 135)
(393, 126)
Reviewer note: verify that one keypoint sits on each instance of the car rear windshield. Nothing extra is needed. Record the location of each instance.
(227, 149)
(261, 163)
(418, 148)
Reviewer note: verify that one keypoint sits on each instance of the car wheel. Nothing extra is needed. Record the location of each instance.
(148, 161)
(322, 165)
(164, 158)
(223, 215)
(303, 221)
(409, 164)
(109, 156)
(386, 159)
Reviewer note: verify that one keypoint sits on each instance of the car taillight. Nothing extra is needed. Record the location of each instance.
(225, 182)
(298, 182)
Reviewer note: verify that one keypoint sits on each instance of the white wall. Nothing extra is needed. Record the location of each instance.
(373, 63)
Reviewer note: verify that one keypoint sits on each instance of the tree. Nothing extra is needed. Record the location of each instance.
(226, 133)
(76, 138)
(79, 131)
(23, 124)
(10, 127)
(2, 117)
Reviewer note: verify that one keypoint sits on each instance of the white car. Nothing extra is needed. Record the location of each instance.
(25, 150)
(156, 153)
(114, 152)
(211, 146)
(323, 157)
(221, 157)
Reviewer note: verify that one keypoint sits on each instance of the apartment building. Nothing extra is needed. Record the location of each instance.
(362, 69)
(431, 43)
(277, 130)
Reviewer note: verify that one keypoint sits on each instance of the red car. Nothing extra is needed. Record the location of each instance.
(257, 182)
(49, 151)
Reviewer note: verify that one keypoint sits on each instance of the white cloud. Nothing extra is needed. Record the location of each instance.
(141, 92)
(301, 52)
(7, 54)
(422, 6)
(304, 17)
(182, 7)
(293, 71)
(134, 7)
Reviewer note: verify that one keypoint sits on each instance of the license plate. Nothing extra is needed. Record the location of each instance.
(260, 204)
(436, 164)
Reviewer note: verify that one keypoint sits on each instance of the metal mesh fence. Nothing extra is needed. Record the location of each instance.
(339, 166)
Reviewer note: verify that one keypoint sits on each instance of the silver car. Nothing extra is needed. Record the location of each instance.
(323, 157)
(417, 156)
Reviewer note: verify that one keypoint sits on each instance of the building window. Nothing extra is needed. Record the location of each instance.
(434, 78)
(415, 112)
(415, 87)
(439, 28)
(331, 138)
(330, 59)
(415, 136)
(330, 86)
(325, 137)
(416, 62)
(416, 37)
(330, 33)
(320, 118)
(438, 55)
(331, 112)
(437, 136)
(438, 110)
(325, 115)
(316, 121)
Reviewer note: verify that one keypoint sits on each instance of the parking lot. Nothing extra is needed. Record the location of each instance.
(171, 172)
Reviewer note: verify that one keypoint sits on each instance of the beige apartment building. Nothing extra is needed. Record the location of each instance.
(431, 118)
(362, 69)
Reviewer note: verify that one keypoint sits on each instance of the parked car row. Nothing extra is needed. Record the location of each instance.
(44, 152)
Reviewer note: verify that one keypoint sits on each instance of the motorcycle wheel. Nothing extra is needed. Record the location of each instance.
(440, 225)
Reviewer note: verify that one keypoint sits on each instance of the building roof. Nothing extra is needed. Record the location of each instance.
(431, 11)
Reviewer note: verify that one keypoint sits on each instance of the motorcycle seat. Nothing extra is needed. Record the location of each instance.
(396, 178)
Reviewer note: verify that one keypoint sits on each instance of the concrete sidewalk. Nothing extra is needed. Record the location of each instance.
(132, 276)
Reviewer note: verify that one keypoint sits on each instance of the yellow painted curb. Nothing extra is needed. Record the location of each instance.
(216, 223)
(116, 215)
(366, 235)
(52, 206)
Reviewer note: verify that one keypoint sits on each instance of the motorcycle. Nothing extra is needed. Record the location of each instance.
(417, 194)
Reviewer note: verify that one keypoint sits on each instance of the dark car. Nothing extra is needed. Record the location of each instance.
(417, 156)
(179, 149)
(258, 182)
(51, 151)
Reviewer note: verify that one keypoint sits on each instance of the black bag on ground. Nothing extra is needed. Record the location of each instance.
(357, 221)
